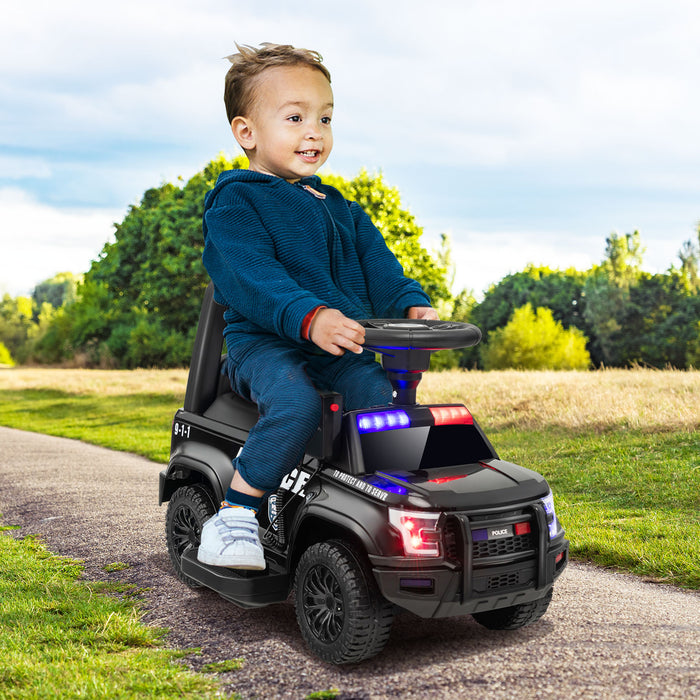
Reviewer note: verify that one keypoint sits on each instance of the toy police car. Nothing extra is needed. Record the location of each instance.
(400, 506)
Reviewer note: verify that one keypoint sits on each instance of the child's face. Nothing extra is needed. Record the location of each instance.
(289, 131)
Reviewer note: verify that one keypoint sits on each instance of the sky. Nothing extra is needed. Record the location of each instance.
(528, 132)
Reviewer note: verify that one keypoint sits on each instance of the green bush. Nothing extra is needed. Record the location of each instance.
(532, 339)
(139, 303)
(693, 358)
(5, 357)
(151, 344)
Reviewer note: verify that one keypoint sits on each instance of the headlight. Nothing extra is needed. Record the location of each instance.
(552, 524)
(419, 531)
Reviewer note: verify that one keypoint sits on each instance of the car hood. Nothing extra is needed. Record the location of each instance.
(485, 484)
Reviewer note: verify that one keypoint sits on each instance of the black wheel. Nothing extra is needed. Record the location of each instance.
(341, 613)
(189, 508)
(515, 616)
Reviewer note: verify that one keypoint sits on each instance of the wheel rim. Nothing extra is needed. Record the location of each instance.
(186, 529)
(323, 604)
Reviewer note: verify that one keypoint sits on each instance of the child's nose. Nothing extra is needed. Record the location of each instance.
(313, 131)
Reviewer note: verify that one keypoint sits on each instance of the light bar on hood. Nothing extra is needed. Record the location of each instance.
(382, 420)
(451, 415)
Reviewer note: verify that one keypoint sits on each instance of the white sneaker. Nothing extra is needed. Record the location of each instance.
(230, 539)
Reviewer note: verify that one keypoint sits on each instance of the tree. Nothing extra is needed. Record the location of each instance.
(399, 228)
(637, 317)
(56, 291)
(689, 255)
(140, 300)
(629, 316)
(402, 235)
(623, 258)
(25, 320)
(561, 291)
(5, 357)
(52, 342)
(693, 354)
(608, 293)
(533, 339)
(661, 321)
(16, 325)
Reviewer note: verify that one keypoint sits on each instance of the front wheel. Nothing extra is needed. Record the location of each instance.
(189, 508)
(515, 616)
(341, 613)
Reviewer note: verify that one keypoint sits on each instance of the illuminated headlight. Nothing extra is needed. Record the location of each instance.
(552, 524)
(419, 531)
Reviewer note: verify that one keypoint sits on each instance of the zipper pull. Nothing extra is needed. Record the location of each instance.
(315, 193)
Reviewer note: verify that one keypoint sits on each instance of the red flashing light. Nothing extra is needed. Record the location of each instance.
(419, 531)
(334, 407)
(451, 415)
(445, 479)
(414, 535)
(522, 528)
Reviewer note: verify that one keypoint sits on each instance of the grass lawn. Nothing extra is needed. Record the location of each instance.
(628, 499)
(63, 638)
(619, 447)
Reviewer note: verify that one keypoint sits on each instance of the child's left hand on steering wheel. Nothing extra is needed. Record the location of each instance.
(423, 312)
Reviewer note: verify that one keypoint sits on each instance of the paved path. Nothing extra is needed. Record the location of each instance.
(606, 635)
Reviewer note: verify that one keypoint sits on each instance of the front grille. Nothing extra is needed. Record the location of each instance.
(499, 564)
(488, 584)
(503, 581)
(485, 549)
(453, 541)
(504, 545)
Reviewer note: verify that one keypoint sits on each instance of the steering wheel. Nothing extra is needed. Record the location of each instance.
(418, 334)
(406, 344)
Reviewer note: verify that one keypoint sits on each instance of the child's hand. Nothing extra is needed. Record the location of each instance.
(423, 312)
(335, 333)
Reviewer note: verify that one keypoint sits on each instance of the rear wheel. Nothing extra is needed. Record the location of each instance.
(515, 616)
(341, 613)
(189, 508)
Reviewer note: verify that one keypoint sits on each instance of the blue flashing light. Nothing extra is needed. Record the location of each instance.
(548, 503)
(378, 421)
(386, 485)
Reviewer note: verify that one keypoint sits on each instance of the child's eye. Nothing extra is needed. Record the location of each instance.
(294, 118)
(325, 120)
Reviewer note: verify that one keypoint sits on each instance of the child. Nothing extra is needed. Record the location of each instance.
(294, 263)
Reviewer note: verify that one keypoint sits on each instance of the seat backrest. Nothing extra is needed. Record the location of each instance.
(203, 385)
(203, 379)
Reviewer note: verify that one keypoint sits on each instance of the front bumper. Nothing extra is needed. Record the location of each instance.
(473, 580)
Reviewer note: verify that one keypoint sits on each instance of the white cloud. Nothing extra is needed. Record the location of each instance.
(18, 167)
(506, 83)
(483, 258)
(99, 102)
(39, 241)
(492, 84)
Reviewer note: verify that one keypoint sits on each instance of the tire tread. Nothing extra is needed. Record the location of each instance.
(368, 616)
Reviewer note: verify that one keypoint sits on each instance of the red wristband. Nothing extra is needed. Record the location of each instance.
(308, 320)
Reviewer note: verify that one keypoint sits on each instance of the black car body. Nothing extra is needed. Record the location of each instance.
(414, 497)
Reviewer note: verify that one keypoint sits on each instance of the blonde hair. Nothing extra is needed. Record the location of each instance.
(249, 63)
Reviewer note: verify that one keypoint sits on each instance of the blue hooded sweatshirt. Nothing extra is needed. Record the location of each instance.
(276, 250)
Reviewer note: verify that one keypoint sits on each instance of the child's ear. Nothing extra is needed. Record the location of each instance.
(243, 133)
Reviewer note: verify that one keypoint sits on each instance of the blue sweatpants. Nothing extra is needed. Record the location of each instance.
(283, 381)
